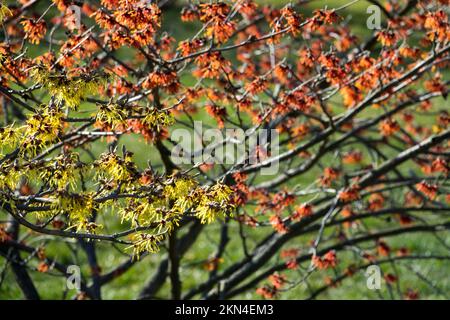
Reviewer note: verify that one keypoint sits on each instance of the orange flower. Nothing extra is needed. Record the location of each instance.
(304, 210)
(281, 72)
(352, 157)
(277, 280)
(189, 47)
(220, 29)
(351, 96)
(210, 10)
(281, 200)
(440, 165)
(278, 224)
(267, 292)
(376, 201)
(437, 22)
(383, 249)
(217, 112)
(291, 264)
(350, 194)
(289, 253)
(390, 278)
(324, 17)
(257, 86)
(429, 190)
(436, 85)
(293, 20)
(387, 38)
(388, 127)
(167, 80)
(43, 267)
(329, 175)
(34, 30)
(329, 260)
(211, 64)
(189, 13)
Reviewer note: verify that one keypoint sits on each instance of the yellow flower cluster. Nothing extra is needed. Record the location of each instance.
(144, 242)
(177, 196)
(9, 136)
(78, 207)
(68, 90)
(214, 203)
(61, 172)
(4, 12)
(121, 170)
(112, 115)
(43, 127)
(9, 176)
(157, 119)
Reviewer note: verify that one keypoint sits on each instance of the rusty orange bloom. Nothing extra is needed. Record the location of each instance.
(350, 194)
(304, 210)
(329, 260)
(34, 30)
(388, 127)
(429, 190)
(387, 38)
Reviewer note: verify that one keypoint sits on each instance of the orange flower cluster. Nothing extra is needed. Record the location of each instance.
(293, 20)
(257, 86)
(376, 201)
(189, 47)
(282, 200)
(211, 65)
(267, 292)
(219, 26)
(131, 22)
(167, 80)
(217, 112)
(328, 260)
(350, 194)
(352, 157)
(278, 224)
(429, 190)
(388, 127)
(387, 38)
(383, 249)
(328, 176)
(302, 211)
(34, 30)
(334, 72)
(437, 23)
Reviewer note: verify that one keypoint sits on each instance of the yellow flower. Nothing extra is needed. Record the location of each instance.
(4, 12)
(157, 119)
(111, 114)
(214, 203)
(144, 242)
(9, 136)
(42, 128)
(68, 90)
(78, 207)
